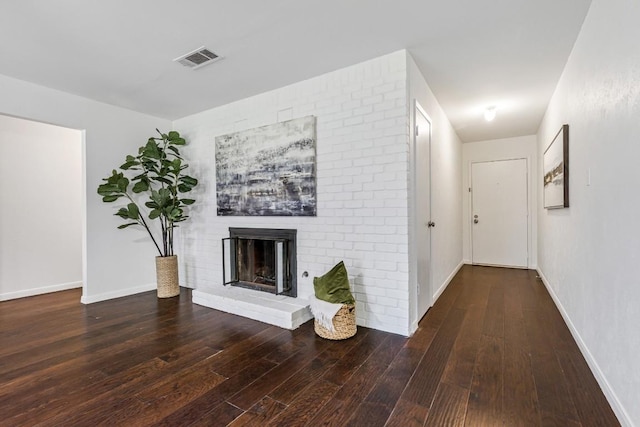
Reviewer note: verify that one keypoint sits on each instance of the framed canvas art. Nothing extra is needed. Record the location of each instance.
(556, 171)
(268, 171)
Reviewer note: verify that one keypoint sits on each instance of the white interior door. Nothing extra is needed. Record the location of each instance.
(424, 223)
(499, 220)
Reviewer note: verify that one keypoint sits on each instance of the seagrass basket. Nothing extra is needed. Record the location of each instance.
(344, 323)
(167, 276)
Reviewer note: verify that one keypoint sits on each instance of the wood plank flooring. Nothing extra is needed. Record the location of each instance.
(493, 351)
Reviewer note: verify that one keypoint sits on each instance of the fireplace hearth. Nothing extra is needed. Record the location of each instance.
(262, 259)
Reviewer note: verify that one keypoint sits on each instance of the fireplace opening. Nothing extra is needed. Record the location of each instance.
(262, 259)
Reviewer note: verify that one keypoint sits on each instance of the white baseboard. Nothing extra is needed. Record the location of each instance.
(611, 396)
(117, 294)
(39, 291)
(414, 324)
(446, 282)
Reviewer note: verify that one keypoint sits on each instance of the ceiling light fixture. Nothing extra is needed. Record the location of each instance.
(490, 113)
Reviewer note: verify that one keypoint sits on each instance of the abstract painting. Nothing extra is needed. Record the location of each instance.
(268, 171)
(556, 171)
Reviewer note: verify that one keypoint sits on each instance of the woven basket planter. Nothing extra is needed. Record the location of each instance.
(344, 323)
(167, 276)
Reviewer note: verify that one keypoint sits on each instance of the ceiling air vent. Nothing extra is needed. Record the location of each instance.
(198, 58)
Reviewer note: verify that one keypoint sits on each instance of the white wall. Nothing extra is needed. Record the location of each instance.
(362, 167)
(119, 262)
(589, 253)
(446, 181)
(522, 147)
(41, 211)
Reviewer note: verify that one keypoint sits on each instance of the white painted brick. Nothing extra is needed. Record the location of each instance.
(327, 244)
(363, 111)
(343, 245)
(394, 311)
(363, 161)
(398, 93)
(352, 105)
(333, 188)
(369, 290)
(354, 171)
(395, 185)
(362, 93)
(333, 219)
(385, 247)
(353, 204)
(353, 121)
(374, 99)
(345, 229)
(363, 195)
(375, 203)
(388, 303)
(371, 308)
(362, 182)
(375, 220)
(374, 118)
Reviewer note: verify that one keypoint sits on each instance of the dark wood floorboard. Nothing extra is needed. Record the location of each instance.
(493, 351)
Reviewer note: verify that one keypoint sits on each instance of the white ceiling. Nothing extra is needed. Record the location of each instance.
(473, 54)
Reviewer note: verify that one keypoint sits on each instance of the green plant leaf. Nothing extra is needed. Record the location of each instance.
(129, 165)
(120, 227)
(123, 183)
(114, 178)
(162, 179)
(134, 212)
(175, 214)
(140, 186)
(188, 201)
(173, 135)
(123, 213)
(107, 189)
(174, 150)
(138, 177)
(108, 199)
(154, 214)
(161, 197)
(189, 180)
(152, 150)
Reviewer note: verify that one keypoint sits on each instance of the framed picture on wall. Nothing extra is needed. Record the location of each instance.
(556, 171)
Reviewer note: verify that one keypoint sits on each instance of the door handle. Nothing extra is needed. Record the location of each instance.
(431, 224)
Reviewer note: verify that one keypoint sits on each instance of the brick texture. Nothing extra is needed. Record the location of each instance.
(362, 175)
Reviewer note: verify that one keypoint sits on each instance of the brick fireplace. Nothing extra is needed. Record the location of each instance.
(259, 278)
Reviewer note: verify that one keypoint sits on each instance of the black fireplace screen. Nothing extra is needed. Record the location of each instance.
(260, 259)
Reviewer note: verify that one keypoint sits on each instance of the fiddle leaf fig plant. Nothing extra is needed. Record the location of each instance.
(159, 175)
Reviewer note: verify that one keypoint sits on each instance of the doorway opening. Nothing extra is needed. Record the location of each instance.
(42, 217)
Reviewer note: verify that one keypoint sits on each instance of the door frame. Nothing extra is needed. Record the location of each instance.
(417, 220)
(527, 198)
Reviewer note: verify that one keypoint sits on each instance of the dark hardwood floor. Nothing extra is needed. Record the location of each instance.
(492, 351)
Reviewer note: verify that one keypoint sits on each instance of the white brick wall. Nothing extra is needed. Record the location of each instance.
(362, 167)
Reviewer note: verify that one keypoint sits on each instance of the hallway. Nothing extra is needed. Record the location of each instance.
(499, 353)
